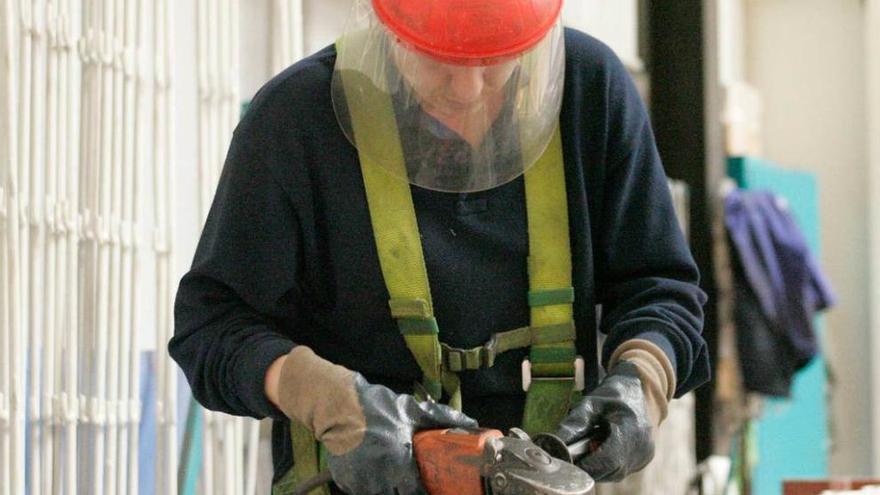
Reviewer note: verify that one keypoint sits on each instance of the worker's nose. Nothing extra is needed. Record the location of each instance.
(466, 84)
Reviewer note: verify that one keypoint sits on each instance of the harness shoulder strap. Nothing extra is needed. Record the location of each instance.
(551, 295)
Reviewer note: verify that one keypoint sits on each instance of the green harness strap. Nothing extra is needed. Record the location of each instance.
(397, 238)
(551, 294)
(309, 460)
(400, 254)
(398, 243)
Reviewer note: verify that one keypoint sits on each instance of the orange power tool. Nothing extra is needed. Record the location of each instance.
(486, 462)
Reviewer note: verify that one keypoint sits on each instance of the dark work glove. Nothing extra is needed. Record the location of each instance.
(367, 429)
(615, 416)
(383, 463)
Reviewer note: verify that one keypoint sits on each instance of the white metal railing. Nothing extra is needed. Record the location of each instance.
(86, 188)
(73, 138)
(224, 441)
(288, 38)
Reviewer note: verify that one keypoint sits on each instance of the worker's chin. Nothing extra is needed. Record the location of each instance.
(454, 108)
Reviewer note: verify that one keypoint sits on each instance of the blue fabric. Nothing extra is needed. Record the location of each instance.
(147, 427)
(781, 286)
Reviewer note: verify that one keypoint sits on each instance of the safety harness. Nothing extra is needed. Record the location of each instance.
(552, 374)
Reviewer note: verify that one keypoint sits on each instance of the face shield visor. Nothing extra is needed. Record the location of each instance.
(453, 96)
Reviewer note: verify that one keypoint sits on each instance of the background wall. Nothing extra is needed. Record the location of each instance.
(807, 59)
(872, 42)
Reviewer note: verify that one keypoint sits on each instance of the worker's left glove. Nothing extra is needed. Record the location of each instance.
(366, 428)
(621, 414)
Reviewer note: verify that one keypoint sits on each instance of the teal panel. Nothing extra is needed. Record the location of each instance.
(792, 435)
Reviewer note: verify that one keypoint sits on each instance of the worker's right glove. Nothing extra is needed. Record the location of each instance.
(366, 429)
(622, 413)
(615, 415)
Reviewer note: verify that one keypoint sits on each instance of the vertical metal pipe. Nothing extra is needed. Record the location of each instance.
(167, 371)
(298, 27)
(90, 180)
(162, 407)
(141, 147)
(206, 164)
(202, 75)
(37, 226)
(222, 117)
(6, 134)
(281, 46)
(115, 37)
(104, 165)
(50, 195)
(24, 165)
(253, 449)
(68, 401)
(171, 372)
(90, 120)
(208, 451)
(128, 240)
(224, 82)
(213, 91)
(238, 451)
(62, 199)
(8, 178)
(247, 470)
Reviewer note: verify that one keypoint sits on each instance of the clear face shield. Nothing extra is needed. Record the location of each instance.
(463, 123)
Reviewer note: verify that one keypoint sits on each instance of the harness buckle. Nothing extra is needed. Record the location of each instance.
(527, 378)
(476, 358)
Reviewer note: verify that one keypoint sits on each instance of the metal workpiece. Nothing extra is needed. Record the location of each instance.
(514, 465)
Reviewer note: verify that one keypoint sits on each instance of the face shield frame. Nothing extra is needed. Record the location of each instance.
(461, 125)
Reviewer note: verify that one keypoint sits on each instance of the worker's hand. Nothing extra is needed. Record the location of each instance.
(367, 429)
(615, 415)
(383, 462)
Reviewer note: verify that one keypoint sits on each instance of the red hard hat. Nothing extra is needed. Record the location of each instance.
(469, 31)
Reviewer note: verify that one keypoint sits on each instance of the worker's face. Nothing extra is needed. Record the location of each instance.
(453, 91)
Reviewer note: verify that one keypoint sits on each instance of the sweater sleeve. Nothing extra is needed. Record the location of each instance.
(231, 305)
(647, 280)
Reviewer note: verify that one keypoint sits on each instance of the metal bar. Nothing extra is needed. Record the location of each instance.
(36, 266)
(213, 93)
(203, 106)
(68, 401)
(207, 158)
(236, 457)
(210, 423)
(282, 44)
(49, 299)
(253, 449)
(221, 117)
(128, 288)
(298, 34)
(60, 241)
(98, 406)
(89, 121)
(24, 165)
(164, 127)
(141, 147)
(115, 37)
(10, 456)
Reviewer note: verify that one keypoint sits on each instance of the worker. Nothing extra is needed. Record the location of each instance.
(444, 210)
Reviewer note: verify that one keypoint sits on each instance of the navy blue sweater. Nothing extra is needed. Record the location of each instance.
(287, 255)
